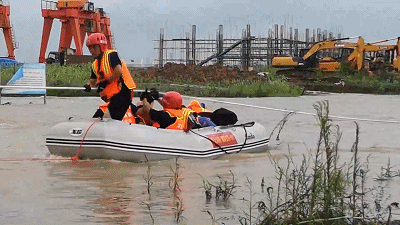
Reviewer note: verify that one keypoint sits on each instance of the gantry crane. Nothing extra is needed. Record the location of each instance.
(5, 24)
(78, 18)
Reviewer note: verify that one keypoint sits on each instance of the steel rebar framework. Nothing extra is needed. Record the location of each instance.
(246, 53)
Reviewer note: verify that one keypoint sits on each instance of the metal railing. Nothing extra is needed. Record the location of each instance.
(49, 5)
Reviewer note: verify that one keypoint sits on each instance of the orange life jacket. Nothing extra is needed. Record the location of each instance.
(128, 117)
(181, 115)
(195, 106)
(105, 67)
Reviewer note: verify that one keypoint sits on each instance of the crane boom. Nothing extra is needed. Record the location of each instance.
(5, 24)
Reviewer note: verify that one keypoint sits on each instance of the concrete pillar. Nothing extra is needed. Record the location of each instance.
(296, 42)
(161, 49)
(291, 41)
(194, 44)
(307, 37)
(276, 32)
(281, 41)
(220, 44)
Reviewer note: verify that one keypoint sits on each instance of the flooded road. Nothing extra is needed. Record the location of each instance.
(113, 192)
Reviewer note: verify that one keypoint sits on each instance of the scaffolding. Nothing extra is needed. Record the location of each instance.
(246, 53)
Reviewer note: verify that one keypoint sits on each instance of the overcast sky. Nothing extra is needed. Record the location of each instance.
(136, 23)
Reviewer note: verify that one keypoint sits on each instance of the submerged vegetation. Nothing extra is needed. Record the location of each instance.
(317, 188)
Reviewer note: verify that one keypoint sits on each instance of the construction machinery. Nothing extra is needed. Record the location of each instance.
(323, 56)
(372, 58)
(5, 24)
(327, 56)
(396, 60)
(79, 18)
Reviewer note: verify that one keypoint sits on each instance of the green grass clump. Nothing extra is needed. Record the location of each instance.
(267, 84)
(318, 190)
(68, 76)
(78, 75)
(7, 72)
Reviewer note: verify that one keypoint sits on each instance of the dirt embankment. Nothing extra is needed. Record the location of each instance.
(214, 73)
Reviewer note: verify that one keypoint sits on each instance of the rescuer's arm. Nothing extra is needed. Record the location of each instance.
(115, 63)
(93, 79)
(117, 73)
(92, 82)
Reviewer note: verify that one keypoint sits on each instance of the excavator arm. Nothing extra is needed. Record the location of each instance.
(328, 44)
(396, 61)
(357, 57)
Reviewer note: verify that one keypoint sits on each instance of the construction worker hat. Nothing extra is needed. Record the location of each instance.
(172, 100)
(97, 39)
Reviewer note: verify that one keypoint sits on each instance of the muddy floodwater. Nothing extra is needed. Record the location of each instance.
(113, 192)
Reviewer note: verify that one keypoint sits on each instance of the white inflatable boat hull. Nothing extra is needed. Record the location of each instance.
(112, 139)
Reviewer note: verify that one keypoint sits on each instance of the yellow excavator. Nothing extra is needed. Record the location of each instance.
(372, 58)
(396, 61)
(327, 56)
(324, 56)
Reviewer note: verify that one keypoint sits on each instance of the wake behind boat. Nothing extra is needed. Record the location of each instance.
(112, 139)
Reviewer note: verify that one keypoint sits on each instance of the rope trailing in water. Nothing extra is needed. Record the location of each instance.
(76, 157)
(291, 111)
(213, 100)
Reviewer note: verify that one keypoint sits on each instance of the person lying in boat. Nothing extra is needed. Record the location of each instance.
(112, 78)
(219, 117)
(202, 113)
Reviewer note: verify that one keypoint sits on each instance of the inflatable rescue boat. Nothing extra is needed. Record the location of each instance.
(112, 139)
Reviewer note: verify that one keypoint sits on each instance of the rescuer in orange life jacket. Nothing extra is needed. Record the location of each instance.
(111, 76)
(173, 116)
(176, 116)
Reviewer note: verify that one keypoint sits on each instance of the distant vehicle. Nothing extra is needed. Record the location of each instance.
(68, 57)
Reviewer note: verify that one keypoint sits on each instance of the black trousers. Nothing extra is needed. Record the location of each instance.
(119, 103)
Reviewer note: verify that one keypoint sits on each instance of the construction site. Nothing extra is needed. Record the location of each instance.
(243, 52)
(292, 52)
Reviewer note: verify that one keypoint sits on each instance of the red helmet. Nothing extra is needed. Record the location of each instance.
(172, 100)
(97, 39)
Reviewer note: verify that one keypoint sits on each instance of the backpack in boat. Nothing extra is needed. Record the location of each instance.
(222, 117)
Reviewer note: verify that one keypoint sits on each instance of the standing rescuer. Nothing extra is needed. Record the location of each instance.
(111, 76)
